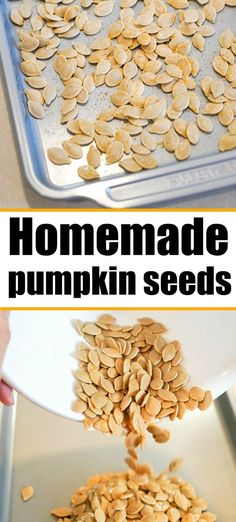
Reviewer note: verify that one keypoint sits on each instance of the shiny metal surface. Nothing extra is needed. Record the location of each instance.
(206, 170)
(7, 433)
(56, 456)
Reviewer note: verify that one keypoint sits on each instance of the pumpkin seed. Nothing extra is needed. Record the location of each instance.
(204, 123)
(93, 157)
(16, 17)
(36, 109)
(146, 162)
(30, 68)
(27, 493)
(227, 142)
(58, 156)
(114, 152)
(171, 140)
(73, 150)
(160, 126)
(220, 66)
(49, 93)
(226, 116)
(92, 27)
(182, 151)
(34, 95)
(130, 165)
(88, 173)
(104, 8)
(193, 134)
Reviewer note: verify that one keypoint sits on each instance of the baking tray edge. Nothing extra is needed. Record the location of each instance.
(7, 432)
(225, 408)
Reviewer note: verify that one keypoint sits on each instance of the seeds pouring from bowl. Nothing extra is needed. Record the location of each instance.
(130, 376)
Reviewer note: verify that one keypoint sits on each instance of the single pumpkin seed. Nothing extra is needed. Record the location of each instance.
(49, 93)
(146, 162)
(130, 165)
(204, 123)
(73, 150)
(193, 134)
(36, 109)
(171, 140)
(58, 156)
(227, 142)
(88, 173)
(114, 152)
(93, 157)
(182, 151)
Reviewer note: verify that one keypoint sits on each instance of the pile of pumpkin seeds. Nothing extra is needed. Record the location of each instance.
(136, 494)
(146, 49)
(129, 376)
(221, 93)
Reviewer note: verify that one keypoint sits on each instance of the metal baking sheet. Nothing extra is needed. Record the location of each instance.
(56, 456)
(206, 170)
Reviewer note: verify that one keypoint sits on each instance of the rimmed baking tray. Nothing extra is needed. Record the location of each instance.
(207, 169)
(56, 456)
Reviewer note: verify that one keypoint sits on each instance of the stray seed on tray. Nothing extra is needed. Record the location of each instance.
(27, 493)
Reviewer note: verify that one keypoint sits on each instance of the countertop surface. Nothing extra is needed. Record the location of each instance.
(16, 192)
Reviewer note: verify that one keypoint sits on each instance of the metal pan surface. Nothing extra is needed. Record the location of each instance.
(56, 456)
(206, 170)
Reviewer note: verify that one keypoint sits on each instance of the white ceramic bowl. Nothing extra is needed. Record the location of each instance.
(39, 362)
